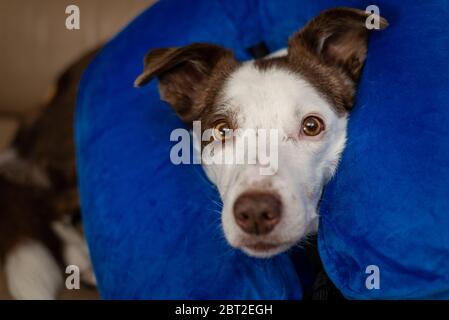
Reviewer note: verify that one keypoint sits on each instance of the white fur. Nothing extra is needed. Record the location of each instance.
(32, 273)
(279, 53)
(7, 156)
(279, 99)
(75, 250)
(21, 171)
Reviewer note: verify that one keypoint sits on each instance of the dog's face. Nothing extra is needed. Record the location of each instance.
(304, 96)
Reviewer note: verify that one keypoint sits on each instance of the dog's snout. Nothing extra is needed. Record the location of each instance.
(257, 212)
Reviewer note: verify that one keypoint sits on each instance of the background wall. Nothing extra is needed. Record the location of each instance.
(36, 46)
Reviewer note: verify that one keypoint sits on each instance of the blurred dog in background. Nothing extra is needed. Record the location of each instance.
(40, 229)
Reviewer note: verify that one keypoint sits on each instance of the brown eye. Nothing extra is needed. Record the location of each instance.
(312, 126)
(222, 131)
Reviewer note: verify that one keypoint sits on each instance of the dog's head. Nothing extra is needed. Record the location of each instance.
(304, 95)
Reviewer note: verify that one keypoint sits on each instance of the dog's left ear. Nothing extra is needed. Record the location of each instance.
(183, 74)
(338, 37)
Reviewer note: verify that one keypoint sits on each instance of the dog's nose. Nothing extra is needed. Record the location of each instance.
(257, 212)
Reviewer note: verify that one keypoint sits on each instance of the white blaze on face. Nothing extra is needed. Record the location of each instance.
(276, 98)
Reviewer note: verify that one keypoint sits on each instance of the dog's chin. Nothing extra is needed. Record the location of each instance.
(265, 250)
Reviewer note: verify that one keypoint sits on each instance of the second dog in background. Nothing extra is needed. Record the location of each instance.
(40, 232)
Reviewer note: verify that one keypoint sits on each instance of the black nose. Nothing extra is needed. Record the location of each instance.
(257, 212)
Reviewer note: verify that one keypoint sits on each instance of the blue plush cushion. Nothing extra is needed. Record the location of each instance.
(388, 206)
(153, 228)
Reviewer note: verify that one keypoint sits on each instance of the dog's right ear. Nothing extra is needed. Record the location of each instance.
(183, 73)
(337, 37)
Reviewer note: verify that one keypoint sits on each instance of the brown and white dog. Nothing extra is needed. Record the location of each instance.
(305, 92)
(39, 205)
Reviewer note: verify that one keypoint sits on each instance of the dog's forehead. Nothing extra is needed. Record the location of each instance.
(270, 97)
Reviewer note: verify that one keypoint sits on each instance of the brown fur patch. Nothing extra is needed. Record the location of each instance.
(187, 76)
(28, 207)
(27, 214)
(328, 82)
(329, 52)
(338, 37)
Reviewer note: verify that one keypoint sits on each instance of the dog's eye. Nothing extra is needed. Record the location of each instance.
(312, 126)
(222, 131)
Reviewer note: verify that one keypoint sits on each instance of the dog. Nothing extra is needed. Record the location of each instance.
(40, 232)
(305, 92)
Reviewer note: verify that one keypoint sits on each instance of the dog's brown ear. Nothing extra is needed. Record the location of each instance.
(183, 74)
(338, 37)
